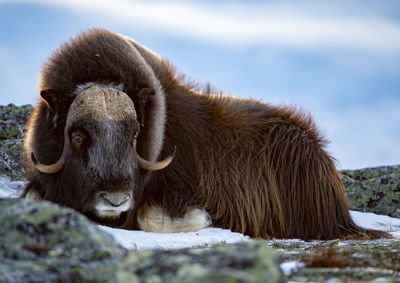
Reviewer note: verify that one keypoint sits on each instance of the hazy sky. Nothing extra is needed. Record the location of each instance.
(339, 60)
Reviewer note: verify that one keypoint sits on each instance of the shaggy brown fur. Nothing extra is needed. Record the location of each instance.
(255, 168)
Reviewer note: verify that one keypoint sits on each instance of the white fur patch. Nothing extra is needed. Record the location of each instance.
(32, 195)
(103, 210)
(154, 219)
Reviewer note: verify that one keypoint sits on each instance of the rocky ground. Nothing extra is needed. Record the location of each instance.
(374, 189)
(43, 242)
(12, 129)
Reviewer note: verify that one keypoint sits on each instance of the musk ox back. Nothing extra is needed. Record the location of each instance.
(111, 108)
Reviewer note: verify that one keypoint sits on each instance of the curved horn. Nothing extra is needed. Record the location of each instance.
(149, 165)
(55, 167)
(49, 169)
(93, 96)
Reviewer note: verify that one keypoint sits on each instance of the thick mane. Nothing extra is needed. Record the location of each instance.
(93, 56)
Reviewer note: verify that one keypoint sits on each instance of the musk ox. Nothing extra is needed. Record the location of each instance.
(110, 108)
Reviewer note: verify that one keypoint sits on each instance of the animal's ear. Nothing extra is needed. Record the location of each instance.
(52, 97)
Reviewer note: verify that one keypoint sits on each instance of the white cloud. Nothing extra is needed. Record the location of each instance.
(244, 24)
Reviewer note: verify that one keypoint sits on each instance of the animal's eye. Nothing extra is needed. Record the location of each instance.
(77, 139)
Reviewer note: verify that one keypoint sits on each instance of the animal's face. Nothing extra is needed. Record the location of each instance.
(102, 154)
(99, 164)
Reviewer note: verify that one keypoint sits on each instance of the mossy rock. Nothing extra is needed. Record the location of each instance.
(374, 190)
(44, 242)
(246, 262)
(11, 159)
(341, 261)
(13, 121)
(12, 132)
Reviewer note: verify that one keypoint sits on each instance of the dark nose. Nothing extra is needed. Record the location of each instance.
(115, 199)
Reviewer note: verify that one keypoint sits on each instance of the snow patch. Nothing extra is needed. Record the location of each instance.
(140, 240)
(291, 266)
(10, 189)
(378, 222)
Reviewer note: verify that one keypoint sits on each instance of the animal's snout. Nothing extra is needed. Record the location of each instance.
(115, 199)
(112, 204)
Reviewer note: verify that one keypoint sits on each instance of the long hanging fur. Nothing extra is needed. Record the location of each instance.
(257, 169)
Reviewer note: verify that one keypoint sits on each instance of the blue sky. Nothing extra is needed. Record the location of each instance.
(338, 60)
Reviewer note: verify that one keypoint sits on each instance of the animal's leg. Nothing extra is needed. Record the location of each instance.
(153, 219)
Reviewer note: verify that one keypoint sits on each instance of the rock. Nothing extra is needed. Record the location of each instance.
(341, 261)
(245, 262)
(12, 131)
(371, 173)
(44, 242)
(13, 121)
(11, 159)
(374, 189)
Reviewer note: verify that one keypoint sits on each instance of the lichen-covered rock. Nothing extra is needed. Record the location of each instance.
(374, 189)
(372, 172)
(349, 274)
(13, 121)
(246, 262)
(43, 242)
(341, 261)
(12, 131)
(11, 159)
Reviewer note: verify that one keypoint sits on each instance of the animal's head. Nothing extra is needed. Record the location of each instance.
(99, 171)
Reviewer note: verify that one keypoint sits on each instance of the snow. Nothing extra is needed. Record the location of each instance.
(291, 266)
(140, 240)
(10, 189)
(378, 222)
